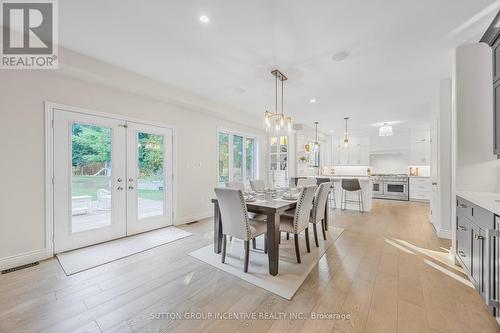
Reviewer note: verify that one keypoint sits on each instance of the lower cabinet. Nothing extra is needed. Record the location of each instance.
(472, 253)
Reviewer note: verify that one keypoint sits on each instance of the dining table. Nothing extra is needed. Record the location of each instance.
(271, 207)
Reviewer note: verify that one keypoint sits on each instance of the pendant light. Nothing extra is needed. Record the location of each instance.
(385, 130)
(277, 123)
(346, 139)
(316, 143)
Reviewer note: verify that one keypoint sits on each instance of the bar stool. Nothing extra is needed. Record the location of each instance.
(351, 185)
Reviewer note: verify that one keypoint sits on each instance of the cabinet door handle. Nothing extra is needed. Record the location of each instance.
(490, 235)
(461, 253)
(478, 237)
(463, 206)
(462, 228)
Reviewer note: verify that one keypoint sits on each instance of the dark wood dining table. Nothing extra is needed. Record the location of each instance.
(272, 209)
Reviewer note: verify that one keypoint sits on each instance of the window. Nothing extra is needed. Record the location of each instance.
(236, 157)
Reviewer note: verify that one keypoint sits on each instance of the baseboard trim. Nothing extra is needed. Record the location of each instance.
(446, 234)
(24, 258)
(193, 218)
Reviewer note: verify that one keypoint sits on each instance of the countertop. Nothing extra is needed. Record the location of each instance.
(486, 200)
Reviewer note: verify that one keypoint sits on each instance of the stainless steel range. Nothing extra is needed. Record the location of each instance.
(390, 186)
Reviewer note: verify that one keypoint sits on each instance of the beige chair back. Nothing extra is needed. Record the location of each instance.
(320, 198)
(233, 212)
(303, 209)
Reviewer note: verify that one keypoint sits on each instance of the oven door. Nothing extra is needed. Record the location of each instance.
(396, 190)
(378, 188)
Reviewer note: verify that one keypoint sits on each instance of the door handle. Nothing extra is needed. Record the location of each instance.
(461, 253)
(490, 235)
(130, 187)
(462, 228)
(119, 188)
(463, 206)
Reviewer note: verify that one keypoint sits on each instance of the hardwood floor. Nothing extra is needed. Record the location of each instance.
(388, 272)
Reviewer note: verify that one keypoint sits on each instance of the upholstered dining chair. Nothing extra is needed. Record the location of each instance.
(300, 221)
(258, 185)
(237, 223)
(236, 184)
(303, 182)
(318, 210)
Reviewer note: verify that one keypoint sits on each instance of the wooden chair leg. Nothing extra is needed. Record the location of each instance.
(224, 245)
(315, 230)
(254, 244)
(323, 229)
(247, 253)
(265, 243)
(297, 250)
(307, 240)
(287, 236)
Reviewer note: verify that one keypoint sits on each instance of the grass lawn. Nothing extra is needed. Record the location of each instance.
(88, 185)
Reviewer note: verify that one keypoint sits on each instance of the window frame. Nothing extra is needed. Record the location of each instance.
(231, 134)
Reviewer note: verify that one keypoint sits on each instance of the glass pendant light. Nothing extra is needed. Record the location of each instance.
(346, 139)
(316, 143)
(277, 123)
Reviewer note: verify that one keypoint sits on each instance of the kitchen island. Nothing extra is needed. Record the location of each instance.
(366, 189)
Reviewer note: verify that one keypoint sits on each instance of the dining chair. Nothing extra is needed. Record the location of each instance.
(300, 221)
(258, 185)
(319, 208)
(303, 182)
(236, 221)
(236, 184)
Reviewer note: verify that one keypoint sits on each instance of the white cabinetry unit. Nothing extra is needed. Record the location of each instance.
(278, 174)
(420, 148)
(356, 153)
(420, 188)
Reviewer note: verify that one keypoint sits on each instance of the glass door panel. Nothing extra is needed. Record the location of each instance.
(149, 180)
(91, 172)
(150, 184)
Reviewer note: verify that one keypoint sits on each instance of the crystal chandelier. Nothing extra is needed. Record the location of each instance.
(385, 130)
(277, 123)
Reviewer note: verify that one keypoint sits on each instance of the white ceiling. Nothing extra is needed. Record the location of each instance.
(399, 49)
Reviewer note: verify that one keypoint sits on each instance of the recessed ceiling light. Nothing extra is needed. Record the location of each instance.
(204, 19)
(312, 100)
(339, 56)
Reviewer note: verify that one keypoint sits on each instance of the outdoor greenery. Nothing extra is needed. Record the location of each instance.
(91, 153)
(92, 144)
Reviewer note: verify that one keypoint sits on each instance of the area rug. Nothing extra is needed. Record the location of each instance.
(89, 257)
(291, 274)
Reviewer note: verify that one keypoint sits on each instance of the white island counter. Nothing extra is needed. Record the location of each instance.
(366, 188)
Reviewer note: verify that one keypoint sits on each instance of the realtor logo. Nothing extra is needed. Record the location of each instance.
(29, 34)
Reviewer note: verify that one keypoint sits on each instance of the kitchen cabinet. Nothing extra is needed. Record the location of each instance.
(420, 188)
(472, 222)
(491, 38)
(420, 148)
(356, 153)
(278, 168)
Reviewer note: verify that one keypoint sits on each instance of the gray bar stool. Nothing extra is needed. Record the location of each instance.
(351, 185)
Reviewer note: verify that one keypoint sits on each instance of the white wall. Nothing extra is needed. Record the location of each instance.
(86, 83)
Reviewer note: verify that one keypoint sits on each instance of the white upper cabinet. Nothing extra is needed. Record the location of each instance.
(420, 148)
(357, 153)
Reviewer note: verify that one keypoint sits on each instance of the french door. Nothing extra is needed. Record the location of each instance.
(112, 178)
